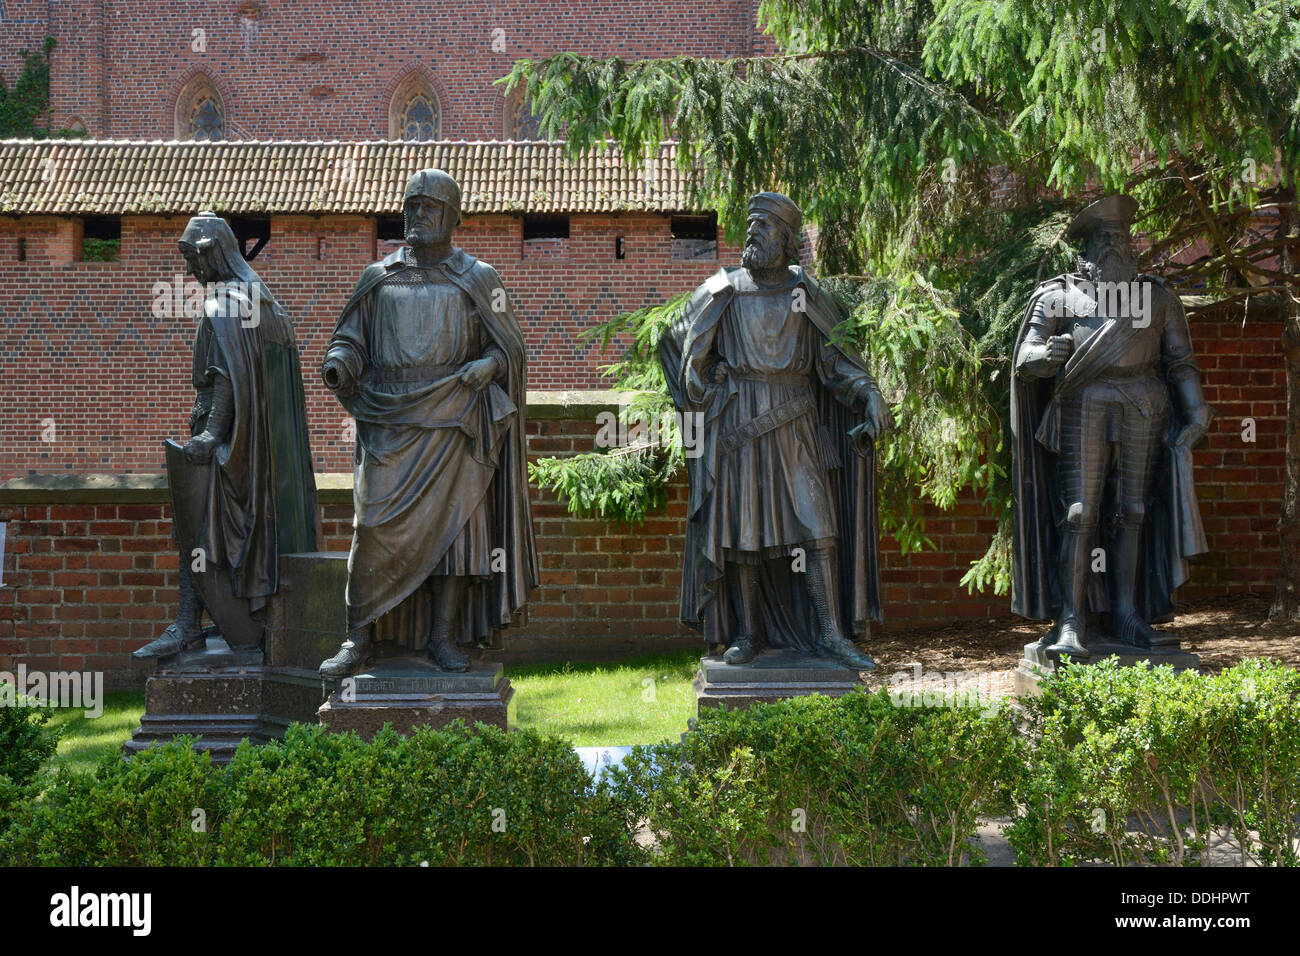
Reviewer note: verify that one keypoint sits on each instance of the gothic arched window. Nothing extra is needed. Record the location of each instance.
(519, 121)
(206, 121)
(414, 112)
(200, 114)
(419, 119)
(524, 124)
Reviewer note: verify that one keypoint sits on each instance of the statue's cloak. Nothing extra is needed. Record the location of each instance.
(1173, 531)
(261, 499)
(411, 525)
(852, 485)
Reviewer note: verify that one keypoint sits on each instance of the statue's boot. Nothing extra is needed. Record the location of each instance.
(823, 588)
(187, 629)
(745, 647)
(445, 655)
(1070, 628)
(448, 598)
(742, 652)
(1126, 625)
(170, 643)
(351, 655)
(1069, 638)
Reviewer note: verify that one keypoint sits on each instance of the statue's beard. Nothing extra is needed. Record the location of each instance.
(1109, 265)
(756, 255)
(418, 235)
(422, 234)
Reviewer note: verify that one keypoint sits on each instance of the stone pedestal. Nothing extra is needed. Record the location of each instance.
(1037, 663)
(773, 675)
(224, 696)
(212, 692)
(409, 693)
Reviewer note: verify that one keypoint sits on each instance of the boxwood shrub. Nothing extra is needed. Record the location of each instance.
(1110, 765)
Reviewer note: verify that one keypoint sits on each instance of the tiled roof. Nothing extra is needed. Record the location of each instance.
(83, 177)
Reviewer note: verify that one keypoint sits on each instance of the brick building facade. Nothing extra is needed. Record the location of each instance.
(310, 69)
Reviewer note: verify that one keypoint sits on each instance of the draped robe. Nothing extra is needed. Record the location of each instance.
(816, 458)
(440, 483)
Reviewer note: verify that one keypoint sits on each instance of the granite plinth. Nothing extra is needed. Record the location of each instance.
(409, 693)
(773, 675)
(211, 692)
(223, 695)
(1038, 663)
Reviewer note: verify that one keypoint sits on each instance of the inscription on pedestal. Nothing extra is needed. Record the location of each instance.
(773, 676)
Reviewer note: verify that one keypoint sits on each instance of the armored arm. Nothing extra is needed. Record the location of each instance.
(221, 417)
(1043, 350)
(347, 356)
(1183, 374)
(501, 365)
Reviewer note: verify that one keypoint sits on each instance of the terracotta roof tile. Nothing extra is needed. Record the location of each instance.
(84, 177)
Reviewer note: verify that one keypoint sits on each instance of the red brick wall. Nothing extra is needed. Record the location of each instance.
(326, 70)
(80, 347)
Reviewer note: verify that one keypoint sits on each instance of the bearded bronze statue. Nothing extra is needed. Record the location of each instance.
(781, 549)
(429, 359)
(1106, 407)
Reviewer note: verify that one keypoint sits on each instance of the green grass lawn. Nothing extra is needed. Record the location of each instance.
(639, 701)
(85, 740)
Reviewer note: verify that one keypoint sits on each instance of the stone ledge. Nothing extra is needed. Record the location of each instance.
(331, 487)
(85, 489)
(574, 404)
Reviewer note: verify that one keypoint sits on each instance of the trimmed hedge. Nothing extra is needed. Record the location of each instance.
(856, 780)
(1113, 765)
(1133, 766)
(26, 745)
(437, 797)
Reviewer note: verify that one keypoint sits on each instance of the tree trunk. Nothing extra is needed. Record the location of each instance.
(1286, 596)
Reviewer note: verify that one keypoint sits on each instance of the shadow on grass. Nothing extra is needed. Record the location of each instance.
(85, 740)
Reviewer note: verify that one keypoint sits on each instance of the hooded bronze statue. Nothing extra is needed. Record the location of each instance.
(781, 548)
(1106, 405)
(429, 359)
(243, 490)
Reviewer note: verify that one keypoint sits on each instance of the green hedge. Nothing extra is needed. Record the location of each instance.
(1113, 765)
(26, 745)
(1134, 766)
(853, 780)
(437, 797)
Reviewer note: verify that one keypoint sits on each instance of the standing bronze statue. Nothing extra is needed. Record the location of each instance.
(243, 490)
(429, 359)
(1106, 405)
(781, 547)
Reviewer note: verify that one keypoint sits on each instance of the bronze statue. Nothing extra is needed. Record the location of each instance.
(243, 489)
(429, 359)
(781, 547)
(1106, 406)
